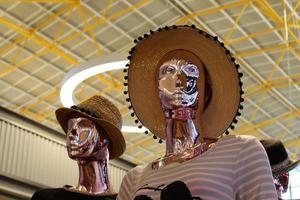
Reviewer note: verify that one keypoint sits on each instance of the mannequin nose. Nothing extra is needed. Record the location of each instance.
(181, 79)
(74, 132)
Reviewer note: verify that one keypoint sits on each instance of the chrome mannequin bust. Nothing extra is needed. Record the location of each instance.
(178, 93)
(281, 183)
(90, 149)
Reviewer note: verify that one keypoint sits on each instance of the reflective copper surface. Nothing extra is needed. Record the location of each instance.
(90, 149)
(178, 93)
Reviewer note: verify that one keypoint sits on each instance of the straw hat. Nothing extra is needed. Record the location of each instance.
(219, 88)
(278, 157)
(104, 114)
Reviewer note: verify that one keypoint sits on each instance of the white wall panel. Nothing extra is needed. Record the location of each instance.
(40, 159)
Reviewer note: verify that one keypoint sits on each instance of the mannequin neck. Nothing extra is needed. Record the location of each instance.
(93, 177)
(181, 131)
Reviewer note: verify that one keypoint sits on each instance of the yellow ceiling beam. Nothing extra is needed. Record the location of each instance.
(294, 142)
(211, 11)
(90, 31)
(23, 62)
(45, 43)
(236, 21)
(276, 47)
(269, 77)
(267, 87)
(294, 10)
(98, 21)
(11, 44)
(249, 128)
(253, 35)
(21, 39)
(268, 10)
(39, 1)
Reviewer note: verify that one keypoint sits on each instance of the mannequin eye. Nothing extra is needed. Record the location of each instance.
(191, 70)
(169, 70)
(83, 135)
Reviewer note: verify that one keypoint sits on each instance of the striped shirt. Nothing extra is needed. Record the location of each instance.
(235, 168)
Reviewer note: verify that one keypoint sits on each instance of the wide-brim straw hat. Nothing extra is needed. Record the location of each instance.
(278, 156)
(104, 114)
(220, 77)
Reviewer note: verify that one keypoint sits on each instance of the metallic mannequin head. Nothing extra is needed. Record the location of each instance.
(84, 142)
(281, 183)
(178, 84)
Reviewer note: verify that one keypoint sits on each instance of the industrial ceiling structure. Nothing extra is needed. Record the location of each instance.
(42, 40)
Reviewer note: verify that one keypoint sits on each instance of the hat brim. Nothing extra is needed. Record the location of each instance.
(117, 144)
(224, 104)
(291, 165)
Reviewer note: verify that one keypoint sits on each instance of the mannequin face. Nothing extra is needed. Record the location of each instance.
(178, 84)
(281, 183)
(84, 141)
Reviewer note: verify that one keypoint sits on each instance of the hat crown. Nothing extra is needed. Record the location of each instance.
(103, 109)
(275, 151)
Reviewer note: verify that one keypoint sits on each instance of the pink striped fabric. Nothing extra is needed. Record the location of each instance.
(236, 168)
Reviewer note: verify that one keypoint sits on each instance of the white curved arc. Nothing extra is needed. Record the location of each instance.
(88, 69)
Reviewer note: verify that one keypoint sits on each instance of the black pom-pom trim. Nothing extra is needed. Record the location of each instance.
(135, 41)
(132, 114)
(241, 107)
(140, 126)
(215, 38)
(154, 137)
(128, 57)
(160, 141)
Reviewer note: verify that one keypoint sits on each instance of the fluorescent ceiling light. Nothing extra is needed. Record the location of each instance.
(88, 69)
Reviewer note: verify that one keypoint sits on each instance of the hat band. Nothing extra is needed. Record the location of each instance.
(281, 165)
(86, 111)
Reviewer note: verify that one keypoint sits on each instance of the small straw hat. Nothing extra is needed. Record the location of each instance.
(104, 114)
(219, 84)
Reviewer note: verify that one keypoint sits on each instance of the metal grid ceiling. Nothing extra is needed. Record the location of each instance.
(42, 40)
